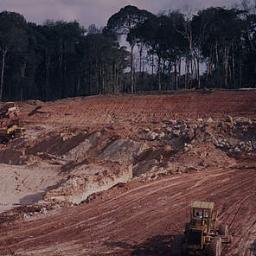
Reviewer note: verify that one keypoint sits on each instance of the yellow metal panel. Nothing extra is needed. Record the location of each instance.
(203, 205)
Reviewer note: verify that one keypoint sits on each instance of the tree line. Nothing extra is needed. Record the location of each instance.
(214, 48)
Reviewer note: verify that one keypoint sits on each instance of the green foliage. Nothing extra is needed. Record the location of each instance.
(127, 18)
(58, 59)
(12, 31)
(61, 59)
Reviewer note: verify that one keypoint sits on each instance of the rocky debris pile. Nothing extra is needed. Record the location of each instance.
(175, 133)
(35, 210)
(200, 157)
(205, 155)
(179, 146)
(241, 138)
(233, 135)
(86, 181)
(236, 148)
(25, 213)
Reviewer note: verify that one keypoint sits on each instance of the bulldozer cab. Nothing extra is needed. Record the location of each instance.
(202, 215)
(202, 221)
(202, 236)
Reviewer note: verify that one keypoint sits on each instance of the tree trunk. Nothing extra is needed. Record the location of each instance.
(132, 69)
(170, 75)
(47, 74)
(186, 73)
(4, 52)
(89, 79)
(226, 64)
(141, 50)
(103, 80)
(23, 71)
(240, 74)
(159, 74)
(217, 52)
(152, 65)
(114, 78)
(175, 74)
(97, 78)
(179, 75)
(78, 87)
(198, 73)
(61, 71)
(192, 71)
(152, 71)
(233, 69)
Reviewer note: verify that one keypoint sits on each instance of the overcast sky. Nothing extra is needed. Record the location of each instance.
(95, 11)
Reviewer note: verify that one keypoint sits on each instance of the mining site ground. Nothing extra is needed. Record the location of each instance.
(115, 175)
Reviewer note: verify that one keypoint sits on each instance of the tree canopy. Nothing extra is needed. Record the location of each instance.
(215, 48)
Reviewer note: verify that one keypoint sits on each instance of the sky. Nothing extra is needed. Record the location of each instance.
(97, 11)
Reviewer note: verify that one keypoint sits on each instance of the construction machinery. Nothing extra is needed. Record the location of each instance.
(203, 234)
(9, 122)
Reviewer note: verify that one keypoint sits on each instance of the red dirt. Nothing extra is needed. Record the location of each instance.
(143, 220)
(121, 109)
(140, 218)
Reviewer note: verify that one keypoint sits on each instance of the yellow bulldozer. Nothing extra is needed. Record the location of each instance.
(203, 234)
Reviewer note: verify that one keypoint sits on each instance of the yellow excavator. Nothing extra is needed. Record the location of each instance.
(203, 234)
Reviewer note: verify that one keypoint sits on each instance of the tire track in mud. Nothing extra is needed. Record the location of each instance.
(243, 226)
(48, 227)
(130, 202)
(157, 208)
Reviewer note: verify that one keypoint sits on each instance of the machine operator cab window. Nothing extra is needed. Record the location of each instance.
(198, 214)
(201, 213)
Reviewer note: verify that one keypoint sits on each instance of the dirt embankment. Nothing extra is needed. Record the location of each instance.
(82, 184)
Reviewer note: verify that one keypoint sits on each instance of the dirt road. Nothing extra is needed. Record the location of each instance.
(143, 219)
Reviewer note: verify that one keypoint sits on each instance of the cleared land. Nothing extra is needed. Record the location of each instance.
(179, 148)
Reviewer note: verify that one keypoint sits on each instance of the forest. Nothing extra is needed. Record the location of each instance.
(137, 51)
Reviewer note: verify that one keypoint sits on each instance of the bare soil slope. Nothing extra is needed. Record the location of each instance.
(135, 163)
(142, 220)
(115, 109)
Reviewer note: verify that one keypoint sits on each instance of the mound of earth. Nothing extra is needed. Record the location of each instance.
(205, 155)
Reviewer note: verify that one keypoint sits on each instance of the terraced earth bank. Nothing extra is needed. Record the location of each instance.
(115, 175)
